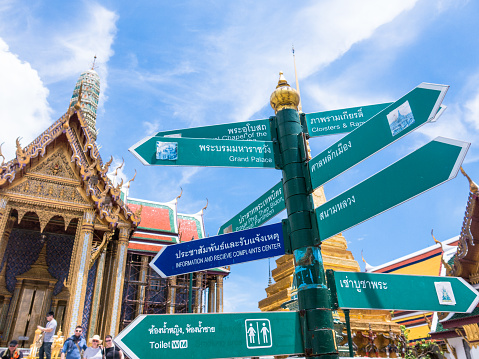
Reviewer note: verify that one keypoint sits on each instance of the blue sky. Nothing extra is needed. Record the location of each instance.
(168, 65)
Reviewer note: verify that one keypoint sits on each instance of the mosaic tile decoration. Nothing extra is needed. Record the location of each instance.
(90, 283)
(22, 251)
(59, 253)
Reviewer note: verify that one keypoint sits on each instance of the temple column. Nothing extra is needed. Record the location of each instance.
(114, 310)
(11, 312)
(142, 287)
(78, 273)
(95, 304)
(211, 296)
(219, 294)
(4, 311)
(199, 280)
(171, 296)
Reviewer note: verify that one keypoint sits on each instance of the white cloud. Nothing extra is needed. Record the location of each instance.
(24, 109)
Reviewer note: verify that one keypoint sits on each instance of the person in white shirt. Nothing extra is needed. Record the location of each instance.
(48, 332)
(95, 351)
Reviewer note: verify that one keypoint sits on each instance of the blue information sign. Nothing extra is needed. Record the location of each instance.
(232, 248)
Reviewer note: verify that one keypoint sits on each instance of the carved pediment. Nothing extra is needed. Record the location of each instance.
(51, 191)
(56, 165)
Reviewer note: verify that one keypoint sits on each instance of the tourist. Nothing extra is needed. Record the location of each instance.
(111, 351)
(12, 351)
(94, 351)
(49, 331)
(74, 345)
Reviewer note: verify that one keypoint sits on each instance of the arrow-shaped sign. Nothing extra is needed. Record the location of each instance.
(168, 151)
(257, 130)
(342, 120)
(427, 167)
(218, 335)
(218, 251)
(356, 290)
(257, 213)
(398, 119)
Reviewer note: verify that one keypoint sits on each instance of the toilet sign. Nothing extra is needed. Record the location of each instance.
(212, 335)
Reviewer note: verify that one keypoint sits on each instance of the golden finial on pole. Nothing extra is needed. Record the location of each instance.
(284, 97)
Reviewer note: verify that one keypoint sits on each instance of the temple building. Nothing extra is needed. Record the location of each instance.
(145, 291)
(72, 242)
(427, 261)
(460, 331)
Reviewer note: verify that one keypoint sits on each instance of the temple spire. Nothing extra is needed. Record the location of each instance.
(86, 95)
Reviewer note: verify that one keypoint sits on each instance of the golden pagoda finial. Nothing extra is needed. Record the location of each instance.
(472, 185)
(284, 97)
(93, 65)
(300, 107)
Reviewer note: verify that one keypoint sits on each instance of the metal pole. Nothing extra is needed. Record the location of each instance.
(190, 294)
(348, 330)
(290, 156)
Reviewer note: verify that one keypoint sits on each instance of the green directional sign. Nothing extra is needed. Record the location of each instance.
(341, 120)
(398, 119)
(219, 335)
(258, 130)
(357, 290)
(257, 213)
(429, 166)
(168, 151)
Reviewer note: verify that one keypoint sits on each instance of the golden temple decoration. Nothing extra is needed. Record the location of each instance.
(205, 206)
(444, 263)
(22, 156)
(1, 155)
(104, 170)
(78, 103)
(472, 334)
(119, 167)
(181, 193)
(96, 250)
(472, 185)
(128, 183)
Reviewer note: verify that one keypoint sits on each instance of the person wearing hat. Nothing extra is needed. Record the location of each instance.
(94, 351)
(12, 351)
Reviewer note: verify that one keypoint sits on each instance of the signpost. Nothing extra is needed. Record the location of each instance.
(221, 335)
(427, 167)
(218, 251)
(250, 144)
(257, 130)
(357, 290)
(341, 120)
(257, 213)
(168, 151)
(403, 116)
